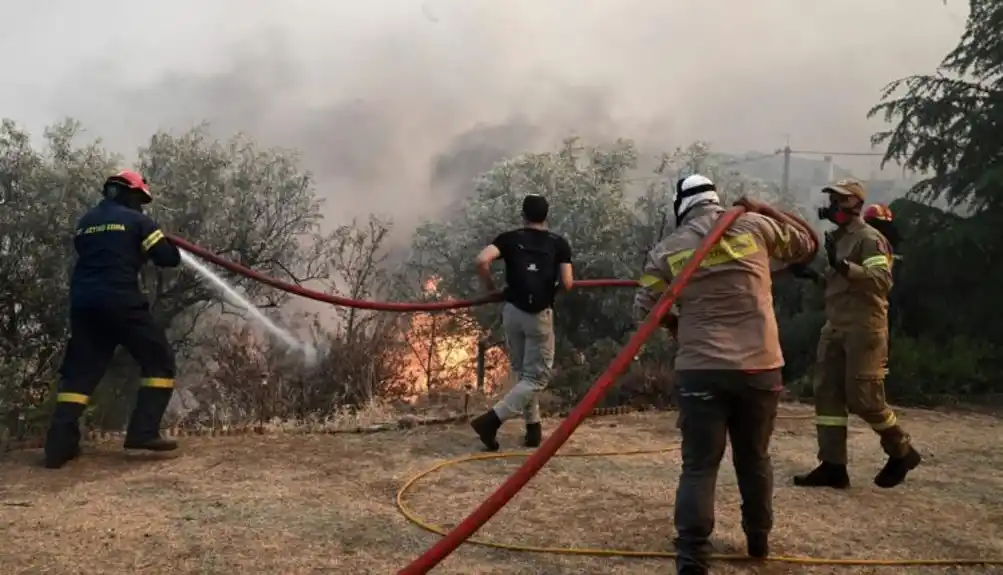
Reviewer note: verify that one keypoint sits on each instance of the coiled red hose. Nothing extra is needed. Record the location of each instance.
(361, 304)
(435, 554)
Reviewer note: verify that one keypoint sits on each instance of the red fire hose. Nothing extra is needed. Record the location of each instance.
(361, 304)
(408, 306)
(435, 554)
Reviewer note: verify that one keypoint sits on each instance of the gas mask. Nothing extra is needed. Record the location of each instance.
(836, 214)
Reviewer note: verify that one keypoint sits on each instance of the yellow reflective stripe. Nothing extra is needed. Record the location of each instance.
(66, 397)
(152, 239)
(783, 236)
(726, 250)
(880, 261)
(783, 247)
(651, 282)
(158, 382)
(890, 421)
(831, 421)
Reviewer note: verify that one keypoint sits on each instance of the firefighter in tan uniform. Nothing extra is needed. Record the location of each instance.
(880, 217)
(853, 346)
(728, 361)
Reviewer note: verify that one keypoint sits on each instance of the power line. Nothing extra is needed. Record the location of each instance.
(739, 161)
(727, 164)
(788, 152)
(817, 153)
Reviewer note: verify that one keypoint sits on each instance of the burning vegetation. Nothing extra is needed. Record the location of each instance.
(441, 351)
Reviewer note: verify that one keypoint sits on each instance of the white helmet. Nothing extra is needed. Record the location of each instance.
(692, 191)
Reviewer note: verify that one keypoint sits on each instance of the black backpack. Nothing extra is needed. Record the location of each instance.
(532, 278)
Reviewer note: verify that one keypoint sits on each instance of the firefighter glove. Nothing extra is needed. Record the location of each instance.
(840, 266)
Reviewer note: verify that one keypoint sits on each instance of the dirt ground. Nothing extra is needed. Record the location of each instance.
(325, 503)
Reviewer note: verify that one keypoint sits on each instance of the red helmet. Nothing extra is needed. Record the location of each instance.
(878, 212)
(133, 181)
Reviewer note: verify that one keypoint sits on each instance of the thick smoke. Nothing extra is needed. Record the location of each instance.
(395, 104)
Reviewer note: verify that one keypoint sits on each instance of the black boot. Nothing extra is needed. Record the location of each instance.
(55, 460)
(62, 441)
(758, 545)
(825, 475)
(153, 444)
(487, 426)
(534, 435)
(895, 470)
(144, 425)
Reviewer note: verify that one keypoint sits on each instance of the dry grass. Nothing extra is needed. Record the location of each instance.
(324, 504)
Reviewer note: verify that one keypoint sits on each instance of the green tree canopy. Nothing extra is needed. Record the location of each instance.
(949, 125)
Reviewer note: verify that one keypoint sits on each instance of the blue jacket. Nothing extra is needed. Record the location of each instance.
(113, 243)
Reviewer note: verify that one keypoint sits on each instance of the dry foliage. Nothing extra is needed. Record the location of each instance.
(252, 379)
(311, 504)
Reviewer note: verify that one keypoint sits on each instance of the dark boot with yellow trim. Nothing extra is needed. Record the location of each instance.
(895, 470)
(62, 441)
(157, 443)
(825, 475)
(144, 425)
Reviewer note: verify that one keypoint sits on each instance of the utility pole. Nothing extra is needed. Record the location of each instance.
(651, 205)
(785, 187)
(482, 350)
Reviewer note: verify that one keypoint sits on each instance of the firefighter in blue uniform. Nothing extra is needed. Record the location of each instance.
(107, 309)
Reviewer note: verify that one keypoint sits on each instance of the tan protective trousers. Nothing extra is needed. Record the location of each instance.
(850, 378)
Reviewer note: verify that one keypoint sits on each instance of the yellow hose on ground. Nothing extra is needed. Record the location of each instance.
(603, 552)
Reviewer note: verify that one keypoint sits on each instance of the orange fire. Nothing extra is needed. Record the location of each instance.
(440, 355)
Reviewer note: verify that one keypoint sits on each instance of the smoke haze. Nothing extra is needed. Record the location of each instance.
(395, 103)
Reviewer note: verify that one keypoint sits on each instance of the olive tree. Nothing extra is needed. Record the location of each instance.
(42, 192)
(248, 203)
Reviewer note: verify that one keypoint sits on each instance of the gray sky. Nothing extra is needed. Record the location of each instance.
(373, 92)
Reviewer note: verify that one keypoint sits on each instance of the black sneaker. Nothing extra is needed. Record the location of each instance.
(896, 469)
(692, 559)
(825, 475)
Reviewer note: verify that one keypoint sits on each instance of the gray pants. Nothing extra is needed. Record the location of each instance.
(530, 341)
(713, 406)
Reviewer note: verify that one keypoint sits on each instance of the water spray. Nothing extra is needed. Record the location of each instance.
(292, 344)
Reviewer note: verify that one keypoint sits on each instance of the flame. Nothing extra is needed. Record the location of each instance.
(437, 358)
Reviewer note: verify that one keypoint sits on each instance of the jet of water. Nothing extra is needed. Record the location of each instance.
(309, 352)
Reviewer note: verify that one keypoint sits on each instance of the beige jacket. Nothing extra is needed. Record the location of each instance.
(859, 300)
(726, 317)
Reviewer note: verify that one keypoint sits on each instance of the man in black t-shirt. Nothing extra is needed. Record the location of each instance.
(537, 264)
